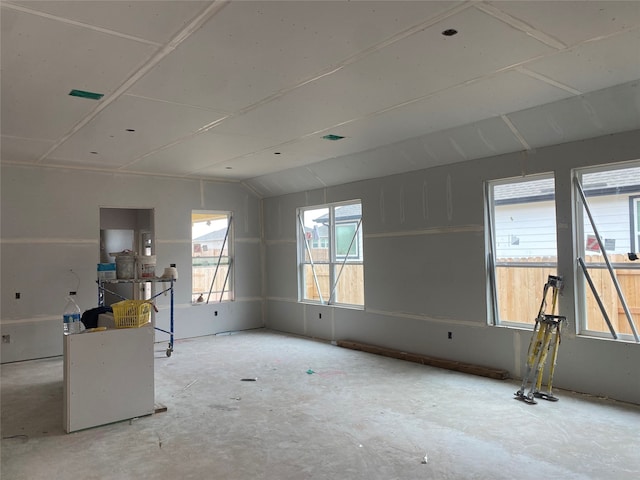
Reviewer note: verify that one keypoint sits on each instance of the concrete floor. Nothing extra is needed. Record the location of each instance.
(359, 416)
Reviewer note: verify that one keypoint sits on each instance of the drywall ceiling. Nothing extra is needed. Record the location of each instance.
(246, 90)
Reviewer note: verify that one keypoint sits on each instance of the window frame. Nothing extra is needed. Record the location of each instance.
(334, 262)
(227, 293)
(580, 236)
(491, 247)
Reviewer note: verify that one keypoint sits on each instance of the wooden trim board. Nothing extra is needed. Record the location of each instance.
(490, 372)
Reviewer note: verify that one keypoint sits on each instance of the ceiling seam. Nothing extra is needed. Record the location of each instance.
(117, 172)
(515, 131)
(352, 59)
(196, 23)
(177, 141)
(356, 57)
(518, 24)
(178, 104)
(315, 175)
(76, 23)
(547, 80)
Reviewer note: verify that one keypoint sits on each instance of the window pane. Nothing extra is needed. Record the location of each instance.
(345, 243)
(612, 196)
(316, 232)
(524, 221)
(629, 281)
(350, 287)
(210, 233)
(310, 288)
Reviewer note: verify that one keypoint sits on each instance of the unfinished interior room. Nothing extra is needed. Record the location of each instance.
(320, 239)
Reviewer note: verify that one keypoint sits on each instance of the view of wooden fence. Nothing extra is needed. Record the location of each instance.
(520, 291)
(349, 290)
(202, 277)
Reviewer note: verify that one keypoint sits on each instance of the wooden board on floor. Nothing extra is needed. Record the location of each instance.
(490, 372)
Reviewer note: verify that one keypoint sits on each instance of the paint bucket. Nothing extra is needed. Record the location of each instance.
(146, 266)
(125, 266)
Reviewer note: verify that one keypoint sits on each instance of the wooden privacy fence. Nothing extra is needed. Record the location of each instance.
(520, 291)
(350, 288)
(202, 277)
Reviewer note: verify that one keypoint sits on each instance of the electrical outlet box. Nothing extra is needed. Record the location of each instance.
(6, 338)
(17, 295)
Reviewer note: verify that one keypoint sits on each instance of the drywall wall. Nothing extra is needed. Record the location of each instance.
(425, 271)
(50, 246)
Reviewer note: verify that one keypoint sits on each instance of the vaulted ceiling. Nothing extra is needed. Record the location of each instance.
(247, 90)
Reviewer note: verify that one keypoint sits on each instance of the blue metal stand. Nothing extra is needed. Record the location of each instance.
(102, 289)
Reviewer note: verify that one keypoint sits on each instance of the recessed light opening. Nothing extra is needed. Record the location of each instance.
(450, 32)
(130, 130)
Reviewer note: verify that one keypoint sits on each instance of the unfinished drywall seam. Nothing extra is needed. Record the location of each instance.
(28, 320)
(285, 299)
(402, 218)
(428, 231)
(517, 351)
(333, 324)
(173, 241)
(280, 241)
(304, 319)
(202, 194)
(279, 219)
(247, 299)
(425, 200)
(263, 263)
(247, 240)
(515, 131)
(449, 199)
(41, 241)
(429, 318)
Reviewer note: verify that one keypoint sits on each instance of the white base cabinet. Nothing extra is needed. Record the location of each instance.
(108, 377)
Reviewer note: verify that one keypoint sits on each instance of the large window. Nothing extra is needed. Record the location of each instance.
(212, 256)
(521, 246)
(330, 252)
(611, 200)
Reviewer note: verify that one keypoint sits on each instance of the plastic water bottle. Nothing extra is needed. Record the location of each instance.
(71, 316)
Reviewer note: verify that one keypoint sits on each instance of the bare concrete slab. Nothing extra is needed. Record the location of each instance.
(314, 411)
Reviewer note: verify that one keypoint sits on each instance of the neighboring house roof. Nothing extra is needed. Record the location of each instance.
(597, 183)
(345, 212)
(216, 235)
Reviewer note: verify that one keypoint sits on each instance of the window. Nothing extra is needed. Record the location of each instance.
(331, 269)
(635, 223)
(521, 246)
(611, 198)
(212, 256)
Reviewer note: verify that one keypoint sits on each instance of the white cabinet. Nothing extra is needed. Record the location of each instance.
(108, 377)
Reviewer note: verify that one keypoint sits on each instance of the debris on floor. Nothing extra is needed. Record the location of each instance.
(425, 460)
(249, 379)
(310, 371)
(190, 384)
